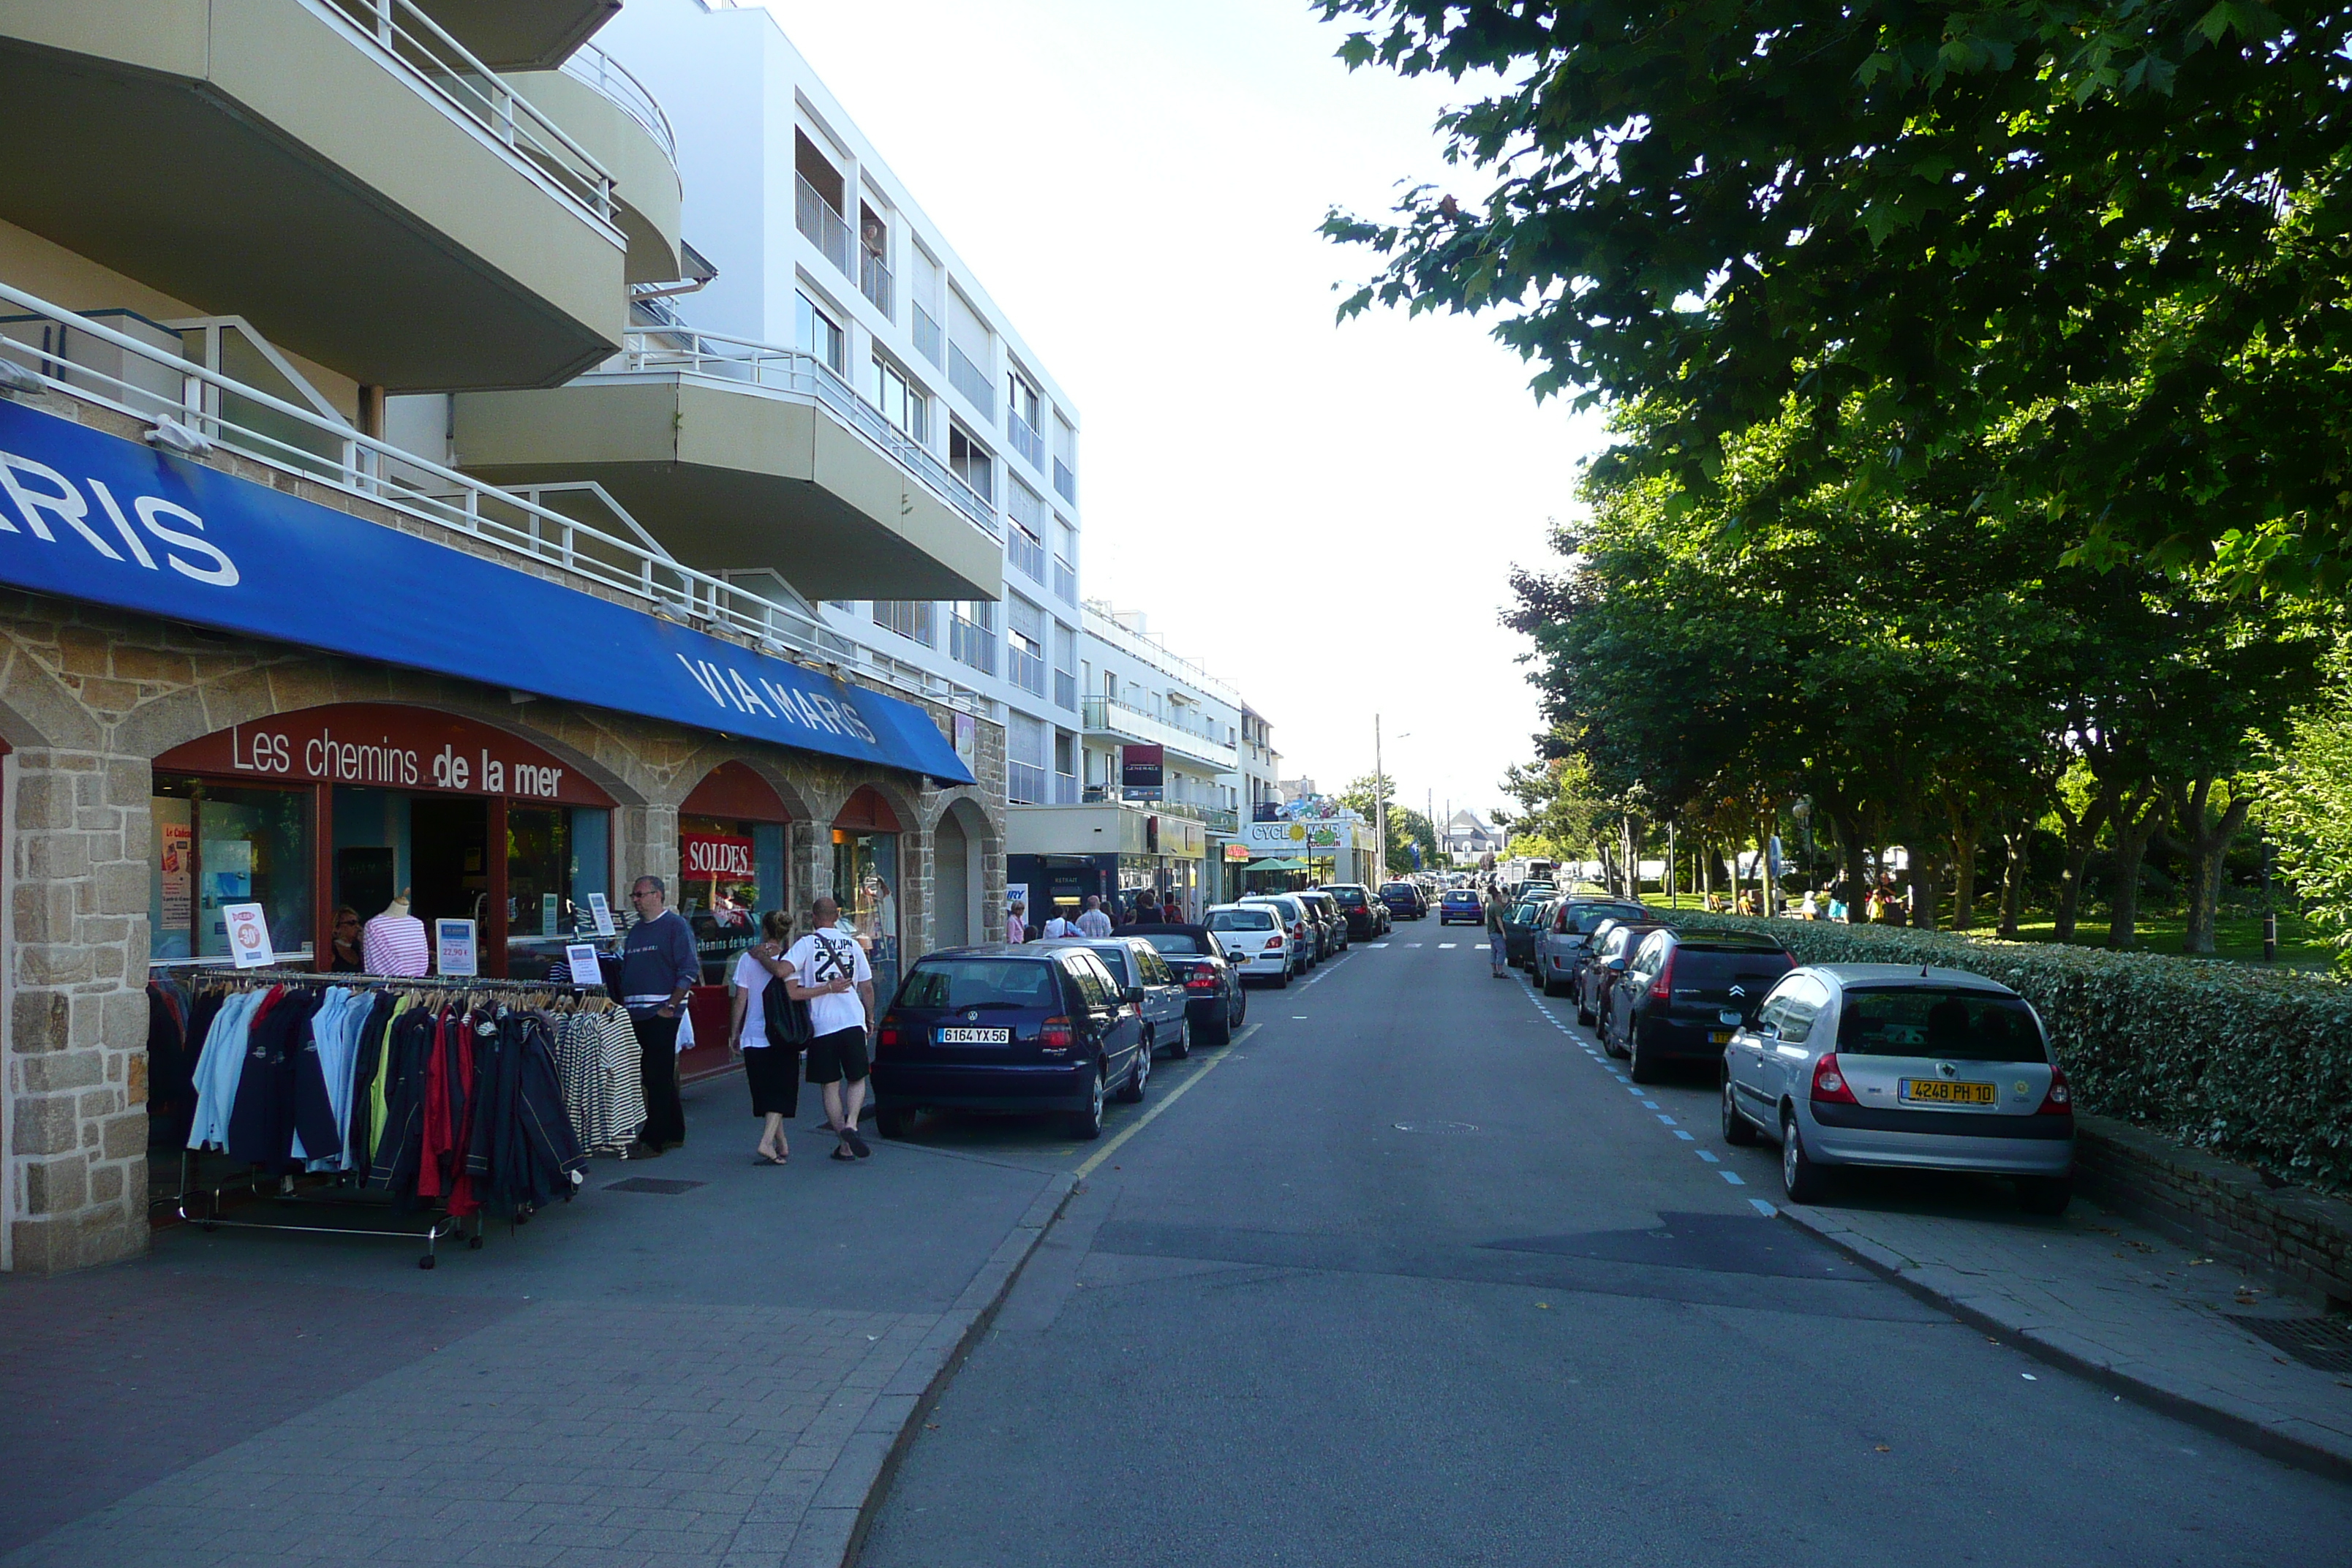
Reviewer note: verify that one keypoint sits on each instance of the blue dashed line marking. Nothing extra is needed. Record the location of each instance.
(1734, 1177)
(1684, 1136)
(1767, 1210)
(1710, 1158)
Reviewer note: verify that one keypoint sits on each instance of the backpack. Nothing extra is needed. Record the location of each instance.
(787, 1021)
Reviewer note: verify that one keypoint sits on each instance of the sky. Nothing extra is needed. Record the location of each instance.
(1325, 515)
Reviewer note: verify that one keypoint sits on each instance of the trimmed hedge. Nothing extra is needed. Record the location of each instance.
(2254, 1064)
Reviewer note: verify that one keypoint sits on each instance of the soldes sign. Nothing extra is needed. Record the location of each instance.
(705, 855)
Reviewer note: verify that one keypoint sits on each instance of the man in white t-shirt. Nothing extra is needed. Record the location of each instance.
(829, 971)
(1093, 923)
(1061, 925)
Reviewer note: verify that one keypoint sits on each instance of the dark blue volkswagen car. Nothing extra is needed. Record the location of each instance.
(1000, 1028)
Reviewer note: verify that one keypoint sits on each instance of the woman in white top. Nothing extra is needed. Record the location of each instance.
(772, 1072)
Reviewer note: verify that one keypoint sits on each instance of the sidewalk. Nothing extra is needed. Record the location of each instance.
(715, 1376)
(2107, 1299)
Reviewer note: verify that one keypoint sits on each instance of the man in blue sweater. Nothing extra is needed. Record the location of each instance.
(659, 968)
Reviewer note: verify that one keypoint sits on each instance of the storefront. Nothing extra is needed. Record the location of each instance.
(351, 805)
(866, 882)
(1311, 853)
(733, 848)
(1059, 855)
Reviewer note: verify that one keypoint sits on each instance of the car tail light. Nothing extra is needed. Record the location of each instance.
(1055, 1035)
(2060, 1099)
(887, 1035)
(1273, 943)
(1201, 982)
(1829, 1083)
(1663, 986)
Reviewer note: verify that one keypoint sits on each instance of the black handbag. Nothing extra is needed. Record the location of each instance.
(786, 1021)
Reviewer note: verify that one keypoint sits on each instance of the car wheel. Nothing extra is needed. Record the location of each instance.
(1736, 1128)
(1221, 1033)
(1183, 1045)
(2046, 1194)
(1644, 1068)
(1804, 1181)
(892, 1121)
(1584, 1014)
(1132, 1089)
(1241, 1009)
(1086, 1125)
(1283, 983)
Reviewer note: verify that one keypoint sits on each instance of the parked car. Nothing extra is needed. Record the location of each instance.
(1881, 1064)
(1520, 924)
(1256, 939)
(1461, 904)
(1213, 999)
(1150, 984)
(1560, 944)
(1367, 916)
(1326, 909)
(1605, 957)
(1405, 900)
(1306, 926)
(1670, 1002)
(1000, 1028)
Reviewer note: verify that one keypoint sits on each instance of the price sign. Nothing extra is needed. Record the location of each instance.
(604, 913)
(581, 957)
(248, 935)
(455, 940)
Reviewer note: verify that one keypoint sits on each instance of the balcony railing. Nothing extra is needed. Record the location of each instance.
(69, 353)
(825, 228)
(874, 282)
(741, 361)
(972, 643)
(1216, 818)
(1066, 581)
(1065, 483)
(929, 341)
(1026, 784)
(1025, 670)
(1065, 789)
(414, 44)
(1117, 719)
(600, 70)
(1025, 439)
(972, 382)
(1028, 556)
(1066, 690)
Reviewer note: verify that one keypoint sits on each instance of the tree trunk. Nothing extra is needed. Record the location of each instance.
(1766, 904)
(2205, 843)
(1927, 888)
(1964, 874)
(2081, 838)
(1857, 864)
(2135, 820)
(2020, 845)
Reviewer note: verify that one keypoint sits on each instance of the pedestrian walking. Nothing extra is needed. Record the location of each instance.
(1495, 933)
(771, 1072)
(832, 974)
(1146, 908)
(1093, 922)
(1016, 930)
(659, 967)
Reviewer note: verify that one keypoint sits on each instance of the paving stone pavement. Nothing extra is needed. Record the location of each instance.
(2105, 1298)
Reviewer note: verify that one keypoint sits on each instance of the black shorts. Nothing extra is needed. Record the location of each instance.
(838, 1056)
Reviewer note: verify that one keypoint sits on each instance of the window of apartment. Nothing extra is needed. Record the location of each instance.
(901, 401)
(1066, 667)
(910, 618)
(820, 196)
(875, 279)
(1025, 645)
(1026, 541)
(969, 350)
(971, 634)
(1025, 748)
(925, 284)
(1066, 461)
(1065, 562)
(810, 162)
(1021, 397)
(819, 335)
(972, 462)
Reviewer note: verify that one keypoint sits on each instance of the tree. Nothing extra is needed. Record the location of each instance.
(2112, 233)
(1406, 825)
(2304, 792)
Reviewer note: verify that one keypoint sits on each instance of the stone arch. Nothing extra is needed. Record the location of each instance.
(964, 843)
(792, 790)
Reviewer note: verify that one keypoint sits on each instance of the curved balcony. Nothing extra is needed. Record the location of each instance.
(612, 115)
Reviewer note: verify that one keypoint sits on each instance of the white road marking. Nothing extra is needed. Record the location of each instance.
(1767, 1210)
(1734, 1177)
(1683, 1135)
(1172, 1096)
(1665, 1117)
(1649, 1105)
(1416, 944)
(1298, 1017)
(1707, 1157)
(1376, 946)
(1449, 945)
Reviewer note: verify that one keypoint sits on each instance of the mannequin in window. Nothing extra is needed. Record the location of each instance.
(394, 942)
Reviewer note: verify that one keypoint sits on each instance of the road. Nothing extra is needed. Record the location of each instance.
(1408, 1276)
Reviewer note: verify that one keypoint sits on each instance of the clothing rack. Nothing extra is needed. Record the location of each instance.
(204, 1206)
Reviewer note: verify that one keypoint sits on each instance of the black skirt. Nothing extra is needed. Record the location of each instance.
(775, 1075)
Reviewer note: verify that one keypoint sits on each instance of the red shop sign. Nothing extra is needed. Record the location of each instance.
(382, 745)
(704, 856)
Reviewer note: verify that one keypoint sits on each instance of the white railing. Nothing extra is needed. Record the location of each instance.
(743, 361)
(600, 70)
(414, 44)
(185, 405)
(1104, 716)
(1065, 483)
(876, 282)
(930, 340)
(1025, 439)
(972, 382)
(821, 223)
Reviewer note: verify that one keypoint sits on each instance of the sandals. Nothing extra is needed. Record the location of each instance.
(760, 1159)
(856, 1142)
(842, 1155)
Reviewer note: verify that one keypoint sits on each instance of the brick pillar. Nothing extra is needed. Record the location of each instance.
(918, 871)
(77, 1064)
(648, 847)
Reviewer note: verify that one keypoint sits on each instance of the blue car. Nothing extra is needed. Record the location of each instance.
(1006, 1028)
(1461, 904)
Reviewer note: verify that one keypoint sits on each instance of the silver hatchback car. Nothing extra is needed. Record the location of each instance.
(1883, 1064)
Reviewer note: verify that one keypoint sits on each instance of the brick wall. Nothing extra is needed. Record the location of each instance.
(2291, 1233)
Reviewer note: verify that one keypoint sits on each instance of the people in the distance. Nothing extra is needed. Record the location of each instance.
(771, 1071)
(1016, 930)
(659, 968)
(343, 952)
(830, 972)
(1093, 922)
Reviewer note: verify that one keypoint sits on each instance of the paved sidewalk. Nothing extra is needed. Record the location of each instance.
(715, 1377)
(2101, 1297)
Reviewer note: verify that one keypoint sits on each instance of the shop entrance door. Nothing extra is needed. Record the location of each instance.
(449, 838)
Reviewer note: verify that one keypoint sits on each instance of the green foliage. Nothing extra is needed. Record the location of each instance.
(2254, 1064)
(1406, 825)
(2304, 796)
(1559, 802)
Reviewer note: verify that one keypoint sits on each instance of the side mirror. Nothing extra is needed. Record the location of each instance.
(1615, 966)
(1135, 995)
(1768, 1031)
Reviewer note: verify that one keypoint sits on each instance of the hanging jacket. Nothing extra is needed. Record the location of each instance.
(525, 1152)
(281, 1094)
(400, 1142)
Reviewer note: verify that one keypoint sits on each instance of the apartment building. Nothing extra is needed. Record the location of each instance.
(370, 526)
(822, 253)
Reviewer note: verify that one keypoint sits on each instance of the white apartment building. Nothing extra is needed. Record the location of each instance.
(819, 249)
(1261, 767)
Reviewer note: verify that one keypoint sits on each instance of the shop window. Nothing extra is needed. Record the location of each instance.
(218, 845)
(731, 872)
(556, 857)
(866, 883)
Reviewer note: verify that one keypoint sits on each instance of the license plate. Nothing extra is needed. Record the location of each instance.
(1719, 1037)
(975, 1037)
(1943, 1092)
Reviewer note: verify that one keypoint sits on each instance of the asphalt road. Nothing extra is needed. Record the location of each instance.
(1407, 1276)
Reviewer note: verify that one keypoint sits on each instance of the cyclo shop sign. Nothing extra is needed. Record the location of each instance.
(385, 746)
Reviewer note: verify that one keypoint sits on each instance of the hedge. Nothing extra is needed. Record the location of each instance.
(2252, 1065)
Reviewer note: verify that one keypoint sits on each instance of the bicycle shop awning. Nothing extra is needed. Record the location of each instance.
(1276, 866)
(213, 549)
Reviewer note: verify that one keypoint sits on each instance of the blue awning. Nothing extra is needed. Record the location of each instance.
(86, 515)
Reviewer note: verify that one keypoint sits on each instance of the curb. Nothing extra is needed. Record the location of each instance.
(2245, 1424)
(834, 1526)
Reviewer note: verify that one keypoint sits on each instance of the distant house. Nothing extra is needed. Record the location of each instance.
(1468, 839)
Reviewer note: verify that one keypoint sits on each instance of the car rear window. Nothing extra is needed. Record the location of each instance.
(1349, 898)
(1240, 920)
(1932, 1021)
(980, 982)
(1583, 919)
(1712, 970)
(1176, 941)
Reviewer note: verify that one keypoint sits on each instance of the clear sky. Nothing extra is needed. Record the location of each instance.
(1325, 515)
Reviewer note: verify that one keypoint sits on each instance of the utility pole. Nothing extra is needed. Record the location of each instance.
(1380, 810)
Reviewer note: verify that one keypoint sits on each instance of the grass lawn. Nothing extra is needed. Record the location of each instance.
(2237, 936)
